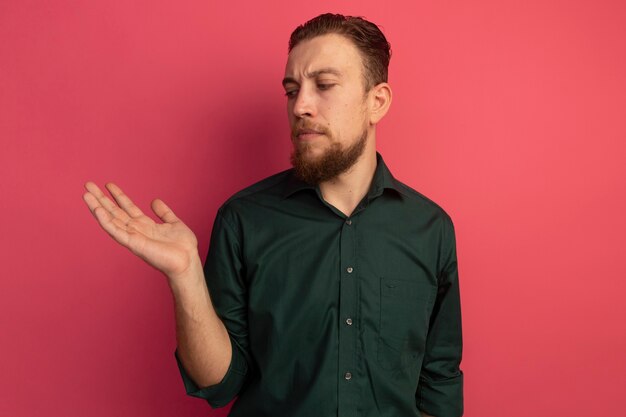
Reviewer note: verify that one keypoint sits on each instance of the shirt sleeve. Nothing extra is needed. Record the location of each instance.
(440, 388)
(224, 274)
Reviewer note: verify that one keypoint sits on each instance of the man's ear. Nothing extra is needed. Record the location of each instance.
(379, 99)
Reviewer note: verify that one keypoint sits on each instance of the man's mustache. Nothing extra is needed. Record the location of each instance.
(308, 127)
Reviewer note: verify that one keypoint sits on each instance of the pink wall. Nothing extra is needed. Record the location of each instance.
(510, 114)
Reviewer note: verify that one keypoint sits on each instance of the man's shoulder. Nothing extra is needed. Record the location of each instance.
(419, 200)
(267, 187)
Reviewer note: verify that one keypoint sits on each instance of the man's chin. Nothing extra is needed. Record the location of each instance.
(315, 164)
(312, 157)
(309, 153)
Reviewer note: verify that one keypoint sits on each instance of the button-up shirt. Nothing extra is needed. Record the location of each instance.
(333, 315)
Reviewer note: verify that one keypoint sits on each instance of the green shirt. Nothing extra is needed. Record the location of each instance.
(331, 315)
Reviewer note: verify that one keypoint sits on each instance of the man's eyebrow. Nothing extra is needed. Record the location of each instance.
(313, 74)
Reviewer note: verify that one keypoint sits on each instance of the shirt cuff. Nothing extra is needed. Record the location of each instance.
(441, 398)
(222, 393)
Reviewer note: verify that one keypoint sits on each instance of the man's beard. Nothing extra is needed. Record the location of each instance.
(335, 161)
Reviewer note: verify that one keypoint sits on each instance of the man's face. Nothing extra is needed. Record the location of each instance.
(327, 107)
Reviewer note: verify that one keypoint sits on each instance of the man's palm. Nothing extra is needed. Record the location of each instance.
(169, 246)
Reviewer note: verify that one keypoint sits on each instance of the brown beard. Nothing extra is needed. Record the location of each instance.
(336, 160)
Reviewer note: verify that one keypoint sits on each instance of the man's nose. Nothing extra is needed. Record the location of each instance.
(304, 104)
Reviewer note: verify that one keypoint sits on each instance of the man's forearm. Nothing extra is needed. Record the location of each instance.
(204, 347)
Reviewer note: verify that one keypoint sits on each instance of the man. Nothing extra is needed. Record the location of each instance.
(330, 289)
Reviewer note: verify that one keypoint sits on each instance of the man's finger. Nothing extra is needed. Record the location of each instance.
(114, 227)
(92, 202)
(163, 211)
(106, 202)
(124, 201)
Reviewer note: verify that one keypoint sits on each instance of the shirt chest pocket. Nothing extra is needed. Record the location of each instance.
(405, 308)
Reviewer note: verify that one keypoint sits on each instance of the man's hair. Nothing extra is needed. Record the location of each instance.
(373, 46)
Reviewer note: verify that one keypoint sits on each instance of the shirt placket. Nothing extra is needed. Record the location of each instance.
(347, 395)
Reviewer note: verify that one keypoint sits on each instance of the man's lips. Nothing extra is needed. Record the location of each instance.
(306, 134)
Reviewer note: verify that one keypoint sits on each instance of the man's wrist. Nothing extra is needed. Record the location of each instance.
(192, 277)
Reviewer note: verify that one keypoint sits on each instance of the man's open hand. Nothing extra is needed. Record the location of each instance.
(170, 247)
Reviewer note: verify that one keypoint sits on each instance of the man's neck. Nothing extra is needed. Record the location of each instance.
(347, 190)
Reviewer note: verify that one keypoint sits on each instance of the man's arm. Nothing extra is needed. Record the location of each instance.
(440, 388)
(170, 247)
(204, 346)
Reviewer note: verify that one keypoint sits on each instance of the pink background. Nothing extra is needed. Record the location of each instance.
(510, 114)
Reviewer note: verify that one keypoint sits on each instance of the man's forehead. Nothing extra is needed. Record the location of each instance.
(325, 54)
(313, 73)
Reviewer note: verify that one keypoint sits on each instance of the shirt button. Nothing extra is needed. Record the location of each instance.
(349, 321)
(349, 269)
(348, 376)
(349, 222)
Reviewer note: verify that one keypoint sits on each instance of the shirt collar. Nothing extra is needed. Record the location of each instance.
(382, 180)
